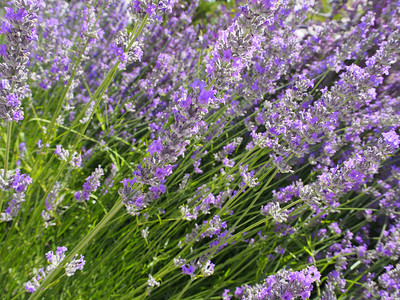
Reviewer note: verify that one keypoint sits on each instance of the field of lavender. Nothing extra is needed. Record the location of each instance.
(193, 149)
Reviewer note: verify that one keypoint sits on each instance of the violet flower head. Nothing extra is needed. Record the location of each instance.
(18, 27)
(120, 48)
(153, 8)
(155, 147)
(208, 268)
(92, 183)
(18, 183)
(63, 155)
(54, 259)
(188, 270)
(392, 138)
(285, 284)
(51, 203)
(151, 282)
(75, 264)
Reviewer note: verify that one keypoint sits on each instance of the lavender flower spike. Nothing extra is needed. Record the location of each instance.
(18, 183)
(54, 259)
(18, 27)
(283, 285)
(91, 185)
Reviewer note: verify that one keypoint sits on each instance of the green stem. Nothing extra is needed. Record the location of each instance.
(9, 125)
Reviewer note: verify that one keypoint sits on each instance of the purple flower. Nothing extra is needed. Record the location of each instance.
(92, 183)
(287, 296)
(392, 138)
(208, 268)
(227, 54)
(54, 260)
(20, 14)
(75, 264)
(19, 183)
(12, 100)
(155, 147)
(151, 9)
(205, 96)
(357, 176)
(17, 116)
(285, 284)
(9, 13)
(3, 50)
(198, 84)
(19, 29)
(161, 173)
(239, 292)
(225, 294)
(188, 270)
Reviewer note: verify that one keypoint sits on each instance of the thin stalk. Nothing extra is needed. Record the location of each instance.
(8, 142)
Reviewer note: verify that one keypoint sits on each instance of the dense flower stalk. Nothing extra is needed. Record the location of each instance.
(19, 29)
(165, 150)
(92, 183)
(18, 184)
(54, 259)
(285, 284)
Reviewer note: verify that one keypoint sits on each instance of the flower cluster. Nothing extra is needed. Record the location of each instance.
(75, 161)
(51, 204)
(18, 184)
(18, 26)
(54, 259)
(285, 284)
(120, 48)
(92, 183)
(166, 149)
(153, 8)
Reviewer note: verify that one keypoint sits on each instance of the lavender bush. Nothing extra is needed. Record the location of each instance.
(198, 149)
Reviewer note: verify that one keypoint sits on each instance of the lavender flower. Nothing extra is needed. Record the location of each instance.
(54, 259)
(154, 8)
(208, 268)
(283, 285)
(18, 27)
(75, 264)
(152, 282)
(62, 154)
(392, 138)
(248, 177)
(188, 114)
(51, 203)
(18, 183)
(92, 183)
(120, 48)
(274, 210)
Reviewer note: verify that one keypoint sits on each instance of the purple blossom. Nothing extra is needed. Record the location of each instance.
(92, 183)
(75, 264)
(75, 160)
(54, 259)
(392, 138)
(188, 270)
(3, 50)
(18, 27)
(285, 284)
(155, 147)
(18, 184)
